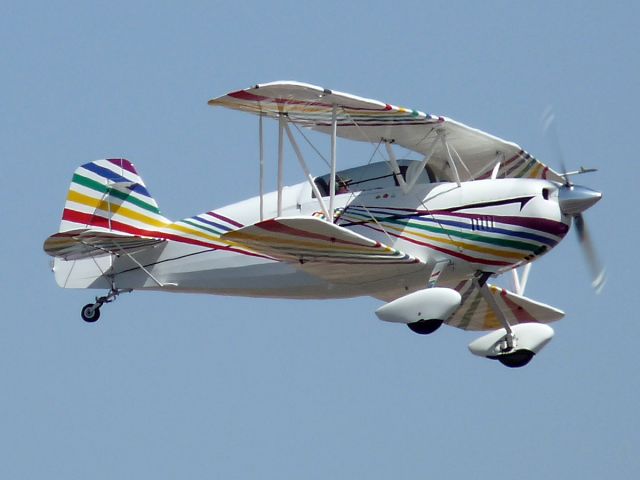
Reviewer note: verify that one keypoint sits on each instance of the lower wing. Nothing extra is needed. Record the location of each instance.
(325, 250)
(476, 314)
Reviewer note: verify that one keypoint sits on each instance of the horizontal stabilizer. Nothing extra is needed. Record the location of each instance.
(324, 249)
(476, 314)
(86, 243)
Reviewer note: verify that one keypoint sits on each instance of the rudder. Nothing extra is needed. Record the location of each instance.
(110, 194)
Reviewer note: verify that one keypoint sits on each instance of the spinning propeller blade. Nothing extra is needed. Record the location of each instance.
(550, 130)
(574, 200)
(598, 272)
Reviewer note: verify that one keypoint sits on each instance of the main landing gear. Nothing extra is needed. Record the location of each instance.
(513, 346)
(91, 311)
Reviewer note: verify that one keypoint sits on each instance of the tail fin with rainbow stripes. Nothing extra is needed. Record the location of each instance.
(108, 209)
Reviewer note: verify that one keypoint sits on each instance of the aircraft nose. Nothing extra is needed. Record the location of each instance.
(575, 199)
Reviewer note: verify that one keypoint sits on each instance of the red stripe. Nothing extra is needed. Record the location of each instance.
(252, 97)
(97, 221)
(518, 311)
(444, 250)
(277, 227)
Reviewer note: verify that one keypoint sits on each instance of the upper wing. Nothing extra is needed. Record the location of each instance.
(86, 243)
(476, 314)
(324, 249)
(369, 120)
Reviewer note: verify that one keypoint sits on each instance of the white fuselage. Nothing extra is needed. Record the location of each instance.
(484, 225)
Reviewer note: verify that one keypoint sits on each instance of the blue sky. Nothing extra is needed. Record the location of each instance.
(191, 386)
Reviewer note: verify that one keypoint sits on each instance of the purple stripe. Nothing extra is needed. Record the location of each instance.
(123, 163)
(225, 219)
(542, 224)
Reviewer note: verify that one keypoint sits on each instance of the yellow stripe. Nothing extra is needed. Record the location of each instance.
(491, 321)
(197, 233)
(535, 171)
(113, 209)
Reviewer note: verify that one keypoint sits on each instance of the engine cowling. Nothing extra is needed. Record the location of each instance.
(428, 304)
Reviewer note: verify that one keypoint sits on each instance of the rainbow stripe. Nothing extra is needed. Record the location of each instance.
(496, 241)
(476, 314)
(307, 239)
(520, 165)
(109, 195)
(319, 114)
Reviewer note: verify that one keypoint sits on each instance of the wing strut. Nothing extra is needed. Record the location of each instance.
(281, 125)
(396, 169)
(307, 174)
(332, 182)
(261, 137)
(520, 283)
(142, 267)
(412, 181)
(407, 184)
(445, 145)
(496, 168)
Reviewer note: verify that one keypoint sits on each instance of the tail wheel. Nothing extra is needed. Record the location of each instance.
(90, 313)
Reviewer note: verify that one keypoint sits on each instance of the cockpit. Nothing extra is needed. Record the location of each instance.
(375, 176)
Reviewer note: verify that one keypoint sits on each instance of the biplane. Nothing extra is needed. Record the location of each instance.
(423, 235)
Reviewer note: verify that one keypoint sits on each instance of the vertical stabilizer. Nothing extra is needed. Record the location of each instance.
(109, 194)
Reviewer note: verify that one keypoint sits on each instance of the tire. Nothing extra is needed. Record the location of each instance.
(517, 359)
(424, 327)
(90, 313)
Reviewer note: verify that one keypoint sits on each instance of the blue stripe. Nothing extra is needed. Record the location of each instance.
(111, 175)
(527, 235)
(462, 225)
(214, 224)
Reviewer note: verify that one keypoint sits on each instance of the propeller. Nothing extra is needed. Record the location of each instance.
(574, 200)
(598, 273)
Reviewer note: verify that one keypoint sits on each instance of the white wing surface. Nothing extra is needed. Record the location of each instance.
(325, 250)
(476, 314)
(363, 119)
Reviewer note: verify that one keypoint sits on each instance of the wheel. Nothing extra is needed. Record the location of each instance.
(517, 359)
(425, 327)
(90, 313)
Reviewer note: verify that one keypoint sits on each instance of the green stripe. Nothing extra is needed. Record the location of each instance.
(528, 167)
(472, 236)
(99, 187)
(455, 233)
(468, 316)
(197, 225)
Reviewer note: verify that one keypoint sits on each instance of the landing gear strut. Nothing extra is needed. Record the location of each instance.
(91, 311)
(513, 346)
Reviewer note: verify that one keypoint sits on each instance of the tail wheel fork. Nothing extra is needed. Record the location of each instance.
(91, 311)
